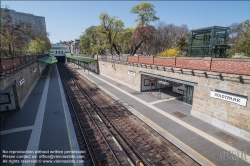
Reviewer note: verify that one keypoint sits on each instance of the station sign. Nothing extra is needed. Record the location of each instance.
(21, 81)
(34, 69)
(163, 82)
(131, 72)
(229, 97)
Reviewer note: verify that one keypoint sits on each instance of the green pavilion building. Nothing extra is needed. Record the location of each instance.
(209, 42)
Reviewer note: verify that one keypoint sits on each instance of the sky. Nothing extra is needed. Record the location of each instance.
(67, 20)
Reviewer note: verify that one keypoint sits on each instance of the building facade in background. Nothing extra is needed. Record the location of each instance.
(37, 21)
(59, 51)
(75, 47)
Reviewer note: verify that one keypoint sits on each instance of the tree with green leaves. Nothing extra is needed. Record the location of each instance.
(145, 13)
(87, 40)
(39, 46)
(125, 40)
(243, 42)
(111, 27)
(93, 41)
(15, 34)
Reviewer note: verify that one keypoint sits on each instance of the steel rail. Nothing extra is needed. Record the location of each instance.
(135, 149)
(96, 124)
(170, 162)
(78, 122)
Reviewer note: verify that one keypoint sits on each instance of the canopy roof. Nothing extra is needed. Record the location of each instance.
(81, 59)
(48, 59)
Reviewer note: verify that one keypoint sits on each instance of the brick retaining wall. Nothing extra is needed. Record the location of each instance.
(235, 66)
(133, 59)
(146, 60)
(194, 63)
(223, 65)
(168, 61)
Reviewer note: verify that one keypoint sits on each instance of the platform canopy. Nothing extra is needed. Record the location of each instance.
(170, 79)
(79, 58)
(48, 59)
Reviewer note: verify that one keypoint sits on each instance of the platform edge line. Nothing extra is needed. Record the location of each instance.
(35, 136)
(71, 133)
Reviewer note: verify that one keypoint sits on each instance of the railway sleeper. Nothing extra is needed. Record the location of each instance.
(119, 112)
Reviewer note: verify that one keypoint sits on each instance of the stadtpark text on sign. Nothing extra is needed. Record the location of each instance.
(228, 97)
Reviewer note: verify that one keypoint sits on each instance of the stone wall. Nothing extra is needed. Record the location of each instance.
(223, 114)
(30, 73)
(120, 73)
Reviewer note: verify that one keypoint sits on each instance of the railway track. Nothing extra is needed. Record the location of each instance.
(92, 135)
(109, 128)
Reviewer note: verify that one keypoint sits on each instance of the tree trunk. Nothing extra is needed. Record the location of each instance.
(10, 52)
(136, 47)
(117, 51)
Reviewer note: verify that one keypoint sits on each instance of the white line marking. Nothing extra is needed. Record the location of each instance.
(36, 132)
(16, 130)
(163, 100)
(184, 124)
(71, 131)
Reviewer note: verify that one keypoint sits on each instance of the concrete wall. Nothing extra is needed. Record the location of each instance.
(30, 73)
(223, 114)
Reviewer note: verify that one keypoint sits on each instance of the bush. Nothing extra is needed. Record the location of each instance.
(171, 52)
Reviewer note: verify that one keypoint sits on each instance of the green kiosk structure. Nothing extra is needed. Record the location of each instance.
(209, 42)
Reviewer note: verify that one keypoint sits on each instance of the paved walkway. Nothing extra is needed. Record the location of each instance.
(42, 128)
(195, 137)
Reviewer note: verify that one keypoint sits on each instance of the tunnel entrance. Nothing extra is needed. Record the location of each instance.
(60, 59)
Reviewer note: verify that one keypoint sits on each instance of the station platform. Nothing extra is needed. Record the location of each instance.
(170, 117)
(42, 128)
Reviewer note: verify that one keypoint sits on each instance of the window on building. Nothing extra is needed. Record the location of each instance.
(56, 52)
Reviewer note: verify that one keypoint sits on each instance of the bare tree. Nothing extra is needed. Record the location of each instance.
(236, 30)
